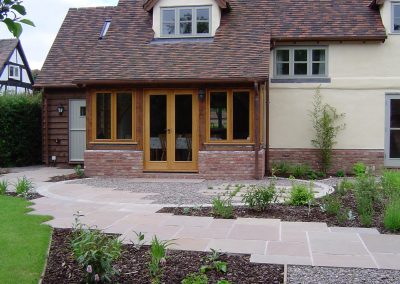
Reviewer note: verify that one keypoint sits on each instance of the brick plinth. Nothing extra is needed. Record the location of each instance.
(113, 163)
(342, 159)
(230, 164)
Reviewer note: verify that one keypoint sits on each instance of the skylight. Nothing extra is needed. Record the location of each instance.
(105, 28)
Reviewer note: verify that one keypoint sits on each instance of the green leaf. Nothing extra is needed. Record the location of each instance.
(19, 8)
(27, 22)
(10, 25)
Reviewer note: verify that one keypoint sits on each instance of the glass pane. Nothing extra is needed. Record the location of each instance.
(158, 128)
(183, 128)
(396, 11)
(282, 55)
(396, 26)
(394, 113)
(282, 68)
(203, 28)
(300, 55)
(395, 144)
(168, 29)
(300, 69)
(124, 116)
(168, 16)
(318, 69)
(185, 14)
(203, 14)
(318, 55)
(186, 28)
(241, 115)
(218, 116)
(103, 116)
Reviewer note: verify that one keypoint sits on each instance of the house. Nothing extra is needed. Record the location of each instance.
(16, 76)
(220, 88)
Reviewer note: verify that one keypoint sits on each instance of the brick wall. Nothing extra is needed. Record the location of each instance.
(342, 159)
(113, 163)
(229, 164)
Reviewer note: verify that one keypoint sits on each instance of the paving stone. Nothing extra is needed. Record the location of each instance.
(387, 260)
(221, 223)
(336, 243)
(382, 243)
(354, 230)
(298, 237)
(254, 232)
(304, 227)
(188, 221)
(238, 246)
(257, 221)
(201, 232)
(288, 249)
(361, 261)
(198, 244)
(280, 259)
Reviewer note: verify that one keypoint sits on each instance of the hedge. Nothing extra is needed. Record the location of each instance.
(20, 130)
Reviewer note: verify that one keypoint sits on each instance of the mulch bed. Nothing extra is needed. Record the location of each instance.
(133, 266)
(31, 196)
(65, 177)
(291, 213)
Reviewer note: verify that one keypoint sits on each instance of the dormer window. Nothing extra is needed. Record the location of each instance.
(14, 72)
(105, 28)
(186, 21)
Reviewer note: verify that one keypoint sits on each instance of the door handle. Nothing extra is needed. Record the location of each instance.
(169, 131)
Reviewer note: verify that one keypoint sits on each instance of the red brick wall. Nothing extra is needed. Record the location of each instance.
(230, 164)
(113, 163)
(342, 159)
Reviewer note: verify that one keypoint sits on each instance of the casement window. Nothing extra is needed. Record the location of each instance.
(14, 72)
(113, 117)
(301, 62)
(186, 21)
(230, 116)
(396, 17)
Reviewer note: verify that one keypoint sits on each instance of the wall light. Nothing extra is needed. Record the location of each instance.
(202, 94)
(60, 109)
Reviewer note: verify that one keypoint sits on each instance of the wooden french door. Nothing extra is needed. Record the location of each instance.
(171, 130)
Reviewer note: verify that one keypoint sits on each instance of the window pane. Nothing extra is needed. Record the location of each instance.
(282, 68)
(203, 14)
(300, 55)
(185, 14)
(103, 116)
(394, 144)
(241, 115)
(168, 29)
(318, 55)
(124, 116)
(318, 69)
(394, 113)
(300, 69)
(396, 11)
(396, 26)
(282, 55)
(186, 28)
(158, 128)
(203, 28)
(218, 116)
(168, 16)
(183, 128)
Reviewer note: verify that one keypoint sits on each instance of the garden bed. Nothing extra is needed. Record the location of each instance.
(133, 266)
(291, 213)
(73, 176)
(30, 196)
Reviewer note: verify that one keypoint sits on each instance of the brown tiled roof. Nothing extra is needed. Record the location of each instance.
(239, 51)
(7, 47)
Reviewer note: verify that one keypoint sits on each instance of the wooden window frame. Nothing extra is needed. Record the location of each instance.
(113, 139)
(229, 134)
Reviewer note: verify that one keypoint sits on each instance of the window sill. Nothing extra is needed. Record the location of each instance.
(229, 143)
(113, 143)
(301, 80)
(196, 39)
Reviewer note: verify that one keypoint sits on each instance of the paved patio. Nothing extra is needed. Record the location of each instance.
(267, 240)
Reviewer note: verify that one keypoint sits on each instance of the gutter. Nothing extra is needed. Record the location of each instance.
(256, 129)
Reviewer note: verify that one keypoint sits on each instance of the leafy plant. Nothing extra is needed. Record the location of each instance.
(260, 197)
(359, 169)
(195, 278)
(95, 252)
(139, 240)
(23, 187)
(213, 262)
(340, 173)
(158, 254)
(80, 173)
(325, 120)
(222, 207)
(300, 195)
(281, 168)
(300, 170)
(224, 281)
(3, 186)
(332, 205)
(391, 183)
(392, 215)
(366, 195)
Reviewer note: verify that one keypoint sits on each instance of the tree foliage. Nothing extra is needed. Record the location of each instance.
(12, 14)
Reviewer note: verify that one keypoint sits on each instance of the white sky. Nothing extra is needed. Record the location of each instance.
(48, 16)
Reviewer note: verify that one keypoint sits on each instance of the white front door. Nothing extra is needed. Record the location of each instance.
(77, 130)
(392, 131)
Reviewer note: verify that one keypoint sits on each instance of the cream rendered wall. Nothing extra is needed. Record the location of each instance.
(361, 74)
(215, 13)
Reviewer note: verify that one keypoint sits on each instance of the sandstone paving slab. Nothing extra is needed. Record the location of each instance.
(188, 221)
(354, 230)
(102, 219)
(387, 260)
(382, 243)
(288, 227)
(254, 232)
(198, 244)
(257, 221)
(201, 232)
(61, 223)
(221, 223)
(296, 237)
(165, 233)
(238, 246)
(336, 243)
(288, 249)
(343, 260)
(280, 259)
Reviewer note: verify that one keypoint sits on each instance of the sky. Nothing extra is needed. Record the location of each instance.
(48, 17)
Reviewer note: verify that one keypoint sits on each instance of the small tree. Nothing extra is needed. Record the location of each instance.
(325, 120)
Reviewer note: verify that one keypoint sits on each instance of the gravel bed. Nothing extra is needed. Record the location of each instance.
(177, 193)
(330, 275)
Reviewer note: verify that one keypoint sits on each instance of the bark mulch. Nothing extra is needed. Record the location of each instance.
(31, 196)
(133, 266)
(65, 177)
(292, 213)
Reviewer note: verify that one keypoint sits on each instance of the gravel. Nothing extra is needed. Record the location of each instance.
(330, 275)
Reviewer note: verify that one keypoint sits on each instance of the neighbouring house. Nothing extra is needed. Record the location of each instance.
(220, 88)
(16, 76)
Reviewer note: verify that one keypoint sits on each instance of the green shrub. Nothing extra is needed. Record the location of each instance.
(3, 186)
(340, 173)
(95, 252)
(359, 169)
(300, 170)
(195, 278)
(21, 130)
(282, 168)
(343, 186)
(391, 183)
(392, 215)
(260, 197)
(23, 187)
(366, 192)
(300, 195)
(222, 207)
(158, 254)
(80, 173)
(332, 205)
